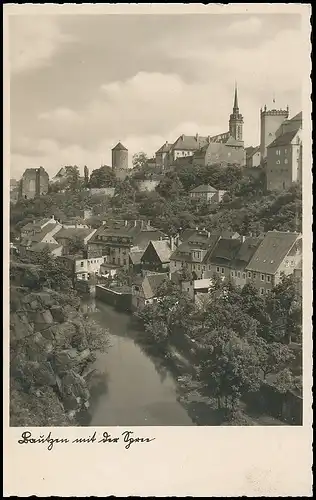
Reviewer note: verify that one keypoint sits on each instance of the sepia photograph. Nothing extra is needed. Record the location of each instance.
(156, 219)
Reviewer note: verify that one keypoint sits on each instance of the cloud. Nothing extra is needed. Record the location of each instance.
(60, 114)
(34, 40)
(247, 27)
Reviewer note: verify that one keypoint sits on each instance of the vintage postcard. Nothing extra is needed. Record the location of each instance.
(157, 250)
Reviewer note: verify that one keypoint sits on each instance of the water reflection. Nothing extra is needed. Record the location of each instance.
(130, 385)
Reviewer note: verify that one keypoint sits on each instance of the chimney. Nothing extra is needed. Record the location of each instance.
(52, 217)
(208, 234)
(135, 223)
(209, 139)
(167, 143)
(197, 137)
(196, 228)
(34, 221)
(243, 239)
(182, 137)
(125, 223)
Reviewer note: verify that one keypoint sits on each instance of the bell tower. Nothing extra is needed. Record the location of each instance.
(236, 120)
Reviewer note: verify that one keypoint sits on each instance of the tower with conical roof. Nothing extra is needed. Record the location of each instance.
(236, 120)
(120, 161)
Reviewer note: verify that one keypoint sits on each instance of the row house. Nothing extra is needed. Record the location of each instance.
(278, 253)
(230, 258)
(144, 289)
(118, 239)
(192, 253)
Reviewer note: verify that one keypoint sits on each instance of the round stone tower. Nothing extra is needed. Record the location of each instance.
(120, 161)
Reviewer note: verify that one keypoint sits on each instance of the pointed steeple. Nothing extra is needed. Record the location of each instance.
(236, 98)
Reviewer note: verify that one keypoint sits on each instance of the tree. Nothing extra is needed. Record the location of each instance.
(72, 177)
(140, 161)
(76, 246)
(102, 177)
(86, 176)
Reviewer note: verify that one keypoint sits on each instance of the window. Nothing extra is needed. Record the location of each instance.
(223, 270)
(81, 264)
(261, 291)
(244, 275)
(253, 275)
(199, 267)
(124, 262)
(238, 274)
(217, 269)
(278, 152)
(249, 274)
(262, 277)
(209, 268)
(232, 274)
(285, 151)
(204, 268)
(286, 161)
(268, 278)
(278, 162)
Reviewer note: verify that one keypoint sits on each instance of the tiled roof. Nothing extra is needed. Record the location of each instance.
(283, 140)
(145, 236)
(183, 252)
(189, 142)
(38, 247)
(271, 251)
(221, 138)
(224, 251)
(35, 225)
(72, 233)
(246, 252)
(151, 284)
(165, 148)
(298, 117)
(39, 235)
(136, 256)
(204, 188)
(119, 147)
(163, 250)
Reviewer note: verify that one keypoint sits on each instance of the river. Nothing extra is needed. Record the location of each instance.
(129, 388)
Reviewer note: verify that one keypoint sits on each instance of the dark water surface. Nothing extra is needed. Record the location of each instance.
(129, 388)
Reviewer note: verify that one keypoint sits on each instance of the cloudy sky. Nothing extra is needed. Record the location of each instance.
(81, 83)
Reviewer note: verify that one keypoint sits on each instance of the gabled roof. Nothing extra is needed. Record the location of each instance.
(224, 251)
(151, 283)
(204, 188)
(165, 148)
(272, 251)
(135, 257)
(251, 151)
(39, 235)
(283, 140)
(189, 142)
(119, 147)
(72, 233)
(35, 225)
(162, 249)
(38, 247)
(195, 242)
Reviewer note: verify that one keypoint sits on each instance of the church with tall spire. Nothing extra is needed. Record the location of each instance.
(236, 120)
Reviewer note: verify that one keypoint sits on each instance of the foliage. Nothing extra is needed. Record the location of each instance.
(102, 177)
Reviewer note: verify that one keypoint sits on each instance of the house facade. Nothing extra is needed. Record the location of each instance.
(80, 268)
(144, 289)
(117, 239)
(156, 256)
(208, 194)
(193, 253)
(278, 253)
(253, 157)
(66, 235)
